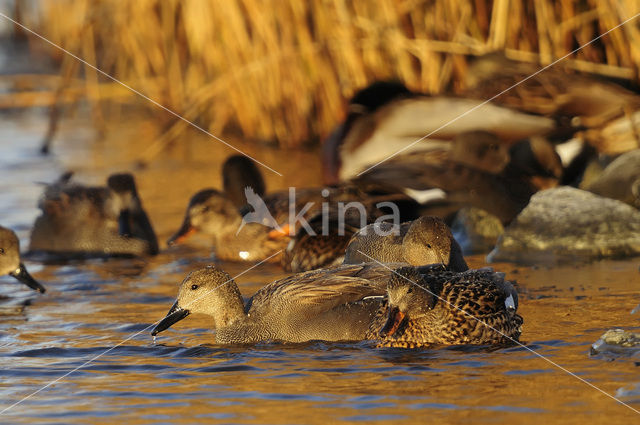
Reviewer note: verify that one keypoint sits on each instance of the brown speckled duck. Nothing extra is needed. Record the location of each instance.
(78, 220)
(10, 260)
(431, 306)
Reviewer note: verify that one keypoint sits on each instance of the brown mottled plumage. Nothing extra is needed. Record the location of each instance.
(431, 305)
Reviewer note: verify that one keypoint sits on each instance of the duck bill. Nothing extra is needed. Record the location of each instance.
(395, 319)
(182, 234)
(175, 314)
(23, 276)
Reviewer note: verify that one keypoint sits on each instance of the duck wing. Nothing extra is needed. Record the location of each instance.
(316, 292)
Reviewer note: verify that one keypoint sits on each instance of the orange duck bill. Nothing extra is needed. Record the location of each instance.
(182, 234)
(395, 320)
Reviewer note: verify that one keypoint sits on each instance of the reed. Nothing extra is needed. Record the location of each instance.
(281, 70)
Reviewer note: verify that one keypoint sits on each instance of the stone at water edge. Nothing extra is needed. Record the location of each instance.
(620, 180)
(617, 341)
(476, 230)
(568, 224)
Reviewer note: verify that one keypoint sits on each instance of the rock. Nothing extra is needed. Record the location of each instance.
(620, 180)
(476, 230)
(568, 224)
(617, 341)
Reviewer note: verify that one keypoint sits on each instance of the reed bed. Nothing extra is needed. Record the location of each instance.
(281, 70)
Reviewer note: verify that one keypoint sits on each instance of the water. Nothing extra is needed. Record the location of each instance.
(97, 315)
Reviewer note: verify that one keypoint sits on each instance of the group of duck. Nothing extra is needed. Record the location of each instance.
(401, 284)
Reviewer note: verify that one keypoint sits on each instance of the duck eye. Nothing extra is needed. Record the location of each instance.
(410, 290)
(429, 245)
(194, 287)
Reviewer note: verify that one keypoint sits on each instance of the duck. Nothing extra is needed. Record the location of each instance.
(79, 220)
(10, 263)
(487, 174)
(350, 303)
(493, 159)
(262, 229)
(426, 240)
(333, 304)
(605, 114)
(384, 120)
(431, 305)
(238, 173)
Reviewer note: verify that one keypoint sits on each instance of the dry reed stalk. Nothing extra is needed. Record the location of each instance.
(281, 70)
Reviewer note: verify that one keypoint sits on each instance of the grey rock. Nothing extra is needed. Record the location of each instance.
(476, 230)
(620, 180)
(618, 342)
(568, 224)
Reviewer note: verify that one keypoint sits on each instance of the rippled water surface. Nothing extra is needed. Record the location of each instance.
(82, 352)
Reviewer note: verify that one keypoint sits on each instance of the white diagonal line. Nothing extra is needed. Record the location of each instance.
(175, 114)
(497, 95)
(91, 360)
(504, 335)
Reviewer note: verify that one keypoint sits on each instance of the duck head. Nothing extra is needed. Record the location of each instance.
(209, 291)
(209, 212)
(365, 101)
(429, 241)
(238, 173)
(10, 260)
(409, 299)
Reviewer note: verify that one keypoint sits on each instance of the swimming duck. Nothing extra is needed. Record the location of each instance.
(238, 173)
(262, 228)
(10, 260)
(81, 220)
(335, 304)
(431, 305)
(347, 303)
(426, 240)
(385, 118)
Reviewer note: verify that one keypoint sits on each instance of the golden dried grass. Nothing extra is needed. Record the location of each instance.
(281, 70)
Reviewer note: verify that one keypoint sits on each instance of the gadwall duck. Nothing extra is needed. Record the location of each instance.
(336, 304)
(426, 240)
(385, 118)
(348, 303)
(479, 176)
(10, 260)
(238, 173)
(81, 220)
(431, 305)
(262, 228)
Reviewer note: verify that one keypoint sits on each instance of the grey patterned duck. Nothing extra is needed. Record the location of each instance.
(79, 220)
(426, 240)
